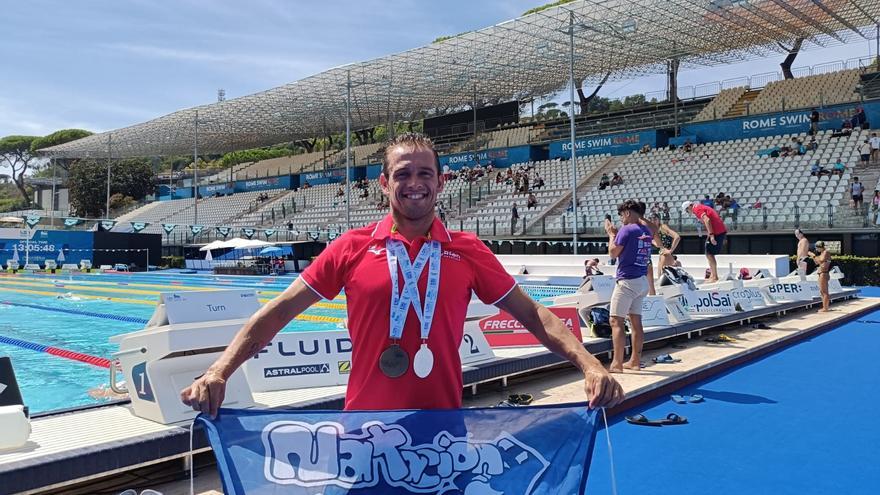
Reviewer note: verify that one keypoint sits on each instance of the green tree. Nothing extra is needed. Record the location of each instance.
(15, 153)
(58, 137)
(131, 178)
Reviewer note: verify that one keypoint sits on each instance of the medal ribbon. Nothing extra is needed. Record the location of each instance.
(400, 302)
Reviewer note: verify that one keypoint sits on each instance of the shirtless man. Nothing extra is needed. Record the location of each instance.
(823, 259)
(803, 254)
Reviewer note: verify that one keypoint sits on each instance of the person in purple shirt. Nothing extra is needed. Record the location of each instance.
(631, 246)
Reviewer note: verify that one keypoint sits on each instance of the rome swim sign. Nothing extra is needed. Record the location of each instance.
(760, 123)
(467, 451)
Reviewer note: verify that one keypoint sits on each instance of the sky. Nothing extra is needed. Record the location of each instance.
(104, 64)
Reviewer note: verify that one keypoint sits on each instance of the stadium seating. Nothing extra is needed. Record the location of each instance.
(722, 103)
(809, 91)
(735, 168)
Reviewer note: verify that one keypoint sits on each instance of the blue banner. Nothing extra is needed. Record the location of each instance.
(280, 182)
(221, 189)
(511, 450)
(37, 246)
(774, 124)
(615, 144)
(498, 157)
(323, 177)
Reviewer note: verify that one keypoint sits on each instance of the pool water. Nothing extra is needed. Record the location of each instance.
(799, 421)
(29, 310)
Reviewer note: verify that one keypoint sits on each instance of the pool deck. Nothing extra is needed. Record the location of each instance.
(101, 441)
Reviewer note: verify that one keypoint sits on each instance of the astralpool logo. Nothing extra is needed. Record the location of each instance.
(322, 454)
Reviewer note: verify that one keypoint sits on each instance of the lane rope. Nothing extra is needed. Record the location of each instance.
(57, 351)
(107, 316)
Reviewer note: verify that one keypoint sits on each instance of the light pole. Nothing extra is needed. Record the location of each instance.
(196, 171)
(348, 151)
(574, 207)
(109, 153)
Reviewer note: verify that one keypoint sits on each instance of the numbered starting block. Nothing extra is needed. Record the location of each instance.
(186, 334)
(595, 291)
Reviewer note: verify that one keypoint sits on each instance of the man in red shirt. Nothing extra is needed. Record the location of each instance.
(716, 232)
(408, 282)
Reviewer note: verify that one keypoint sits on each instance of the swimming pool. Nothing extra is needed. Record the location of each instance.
(800, 421)
(80, 312)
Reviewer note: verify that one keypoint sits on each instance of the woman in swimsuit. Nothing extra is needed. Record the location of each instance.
(823, 261)
(666, 241)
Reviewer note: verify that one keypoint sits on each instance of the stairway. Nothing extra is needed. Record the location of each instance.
(844, 216)
(561, 205)
(741, 106)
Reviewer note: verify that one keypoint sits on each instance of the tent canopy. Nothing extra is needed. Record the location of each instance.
(518, 59)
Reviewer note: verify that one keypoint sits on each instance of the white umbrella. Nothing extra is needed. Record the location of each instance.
(252, 243)
(15, 253)
(208, 256)
(61, 256)
(213, 245)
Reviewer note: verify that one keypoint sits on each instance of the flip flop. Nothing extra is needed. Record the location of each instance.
(666, 359)
(678, 399)
(713, 340)
(673, 419)
(520, 399)
(693, 399)
(641, 419)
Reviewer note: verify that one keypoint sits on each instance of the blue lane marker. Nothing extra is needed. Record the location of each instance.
(106, 316)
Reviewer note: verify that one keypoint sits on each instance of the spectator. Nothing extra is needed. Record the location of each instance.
(846, 128)
(340, 192)
(856, 190)
(514, 217)
(838, 168)
(539, 182)
(532, 202)
(715, 230)
(645, 149)
(814, 122)
(875, 147)
(604, 181)
(813, 146)
(306, 185)
(865, 152)
(818, 170)
(591, 268)
(289, 225)
(875, 207)
(664, 212)
(688, 147)
(616, 180)
(707, 201)
(631, 246)
(801, 148)
(859, 119)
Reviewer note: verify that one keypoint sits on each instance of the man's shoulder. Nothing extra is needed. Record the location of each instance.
(359, 235)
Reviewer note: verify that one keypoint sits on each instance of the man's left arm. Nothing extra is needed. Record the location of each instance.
(601, 388)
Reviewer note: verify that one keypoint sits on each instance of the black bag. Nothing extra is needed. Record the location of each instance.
(600, 322)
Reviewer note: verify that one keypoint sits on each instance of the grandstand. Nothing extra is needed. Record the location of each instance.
(695, 36)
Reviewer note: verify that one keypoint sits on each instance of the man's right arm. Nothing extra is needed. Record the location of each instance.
(207, 392)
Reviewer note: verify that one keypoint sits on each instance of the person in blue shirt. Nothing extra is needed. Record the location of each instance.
(838, 168)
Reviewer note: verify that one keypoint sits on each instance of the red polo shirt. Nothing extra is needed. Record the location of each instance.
(356, 261)
(714, 220)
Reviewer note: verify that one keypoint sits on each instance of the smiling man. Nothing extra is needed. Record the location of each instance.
(408, 282)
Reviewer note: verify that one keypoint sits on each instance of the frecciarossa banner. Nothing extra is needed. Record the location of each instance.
(542, 450)
(503, 330)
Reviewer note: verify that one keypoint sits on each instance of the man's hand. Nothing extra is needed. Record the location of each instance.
(602, 389)
(610, 229)
(712, 239)
(205, 394)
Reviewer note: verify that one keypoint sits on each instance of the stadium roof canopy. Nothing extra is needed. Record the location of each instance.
(517, 59)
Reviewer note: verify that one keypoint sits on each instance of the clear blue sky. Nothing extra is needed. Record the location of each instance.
(104, 64)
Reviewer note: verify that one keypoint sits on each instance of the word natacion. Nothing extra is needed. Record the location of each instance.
(385, 454)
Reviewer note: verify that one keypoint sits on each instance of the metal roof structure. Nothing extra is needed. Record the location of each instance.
(525, 57)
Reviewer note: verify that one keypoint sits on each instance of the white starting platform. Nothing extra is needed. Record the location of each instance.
(186, 333)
